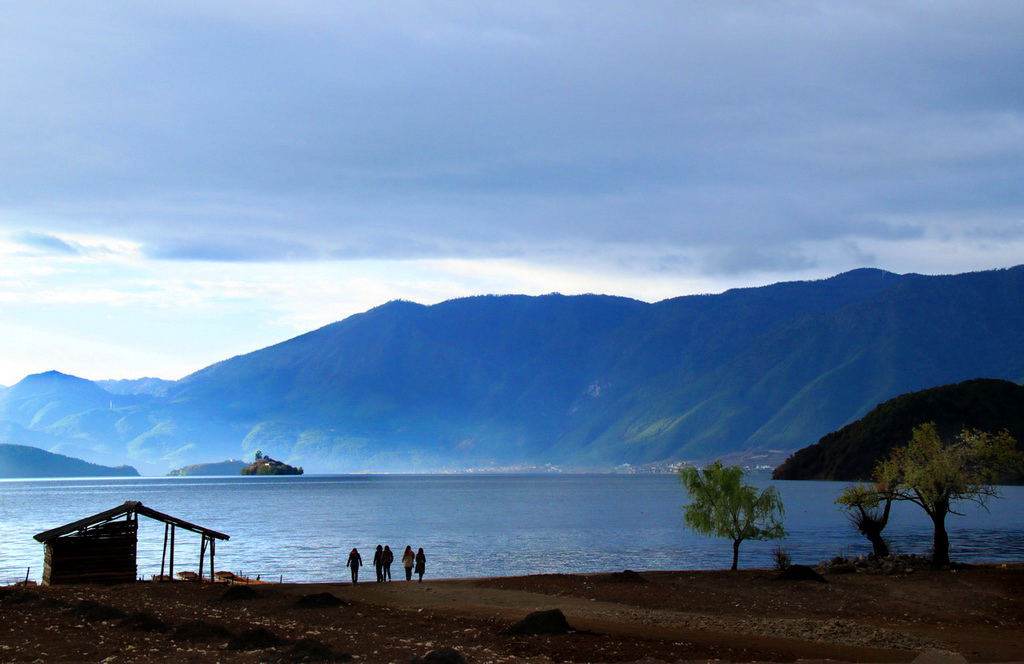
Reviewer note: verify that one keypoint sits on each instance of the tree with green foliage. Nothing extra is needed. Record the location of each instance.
(722, 505)
(935, 474)
(869, 507)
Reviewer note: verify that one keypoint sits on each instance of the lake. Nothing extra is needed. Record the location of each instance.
(300, 529)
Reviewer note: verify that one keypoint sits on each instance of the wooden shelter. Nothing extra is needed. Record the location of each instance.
(102, 548)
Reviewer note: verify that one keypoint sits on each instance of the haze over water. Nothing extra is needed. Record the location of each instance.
(301, 528)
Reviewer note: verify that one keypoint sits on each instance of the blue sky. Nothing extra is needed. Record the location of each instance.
(184, 181)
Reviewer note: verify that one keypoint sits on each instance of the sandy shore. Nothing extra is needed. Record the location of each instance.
(745, 616)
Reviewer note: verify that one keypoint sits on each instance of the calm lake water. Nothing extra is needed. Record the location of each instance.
(302, 528)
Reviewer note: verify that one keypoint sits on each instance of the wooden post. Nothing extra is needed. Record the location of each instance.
(163, 557)
(202, 557)
(213, 546)
(171, 571)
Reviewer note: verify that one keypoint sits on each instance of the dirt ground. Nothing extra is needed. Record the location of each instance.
(745, 616)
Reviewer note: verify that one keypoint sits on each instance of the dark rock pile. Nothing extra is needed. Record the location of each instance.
(255, 639)
(144, 622)
(238, 593)
(906, 563)
(800, 573)
(442, 656)
(625, 576)
(96, 612)
(199, 630)
(541, 622)
(319, 601)
(308, 650)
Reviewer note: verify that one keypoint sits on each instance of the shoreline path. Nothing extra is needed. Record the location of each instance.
(974, 614)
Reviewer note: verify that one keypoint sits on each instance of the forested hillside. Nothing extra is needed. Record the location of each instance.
(852, 452)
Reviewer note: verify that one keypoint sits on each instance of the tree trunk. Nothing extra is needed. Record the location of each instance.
(878, 544)
(940, 552)
(735, 553)
(871, 523)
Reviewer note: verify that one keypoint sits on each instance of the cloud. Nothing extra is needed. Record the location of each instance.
(46, 243)
(730, 134)
(752, 260)
(230, 250)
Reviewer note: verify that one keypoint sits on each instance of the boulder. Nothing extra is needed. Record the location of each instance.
(442, 656)
(319, 601)
(800, 573)
(541, 622)
(255, 639)
(626, 576)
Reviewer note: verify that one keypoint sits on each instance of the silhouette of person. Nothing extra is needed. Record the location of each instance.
(408, 560)
(389, 558)
(378, 563)
(421, 563)
(354, 561)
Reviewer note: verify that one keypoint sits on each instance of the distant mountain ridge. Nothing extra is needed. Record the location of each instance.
(580, 381)
(150, 386)
(21, 461)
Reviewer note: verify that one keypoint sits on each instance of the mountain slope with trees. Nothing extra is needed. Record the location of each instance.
(852, 452)
(581, 381)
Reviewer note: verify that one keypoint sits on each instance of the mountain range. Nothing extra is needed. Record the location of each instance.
(578, 381)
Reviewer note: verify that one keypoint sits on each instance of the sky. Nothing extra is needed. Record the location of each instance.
(184, 181)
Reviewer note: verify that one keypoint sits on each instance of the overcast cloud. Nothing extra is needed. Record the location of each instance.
(645, 148)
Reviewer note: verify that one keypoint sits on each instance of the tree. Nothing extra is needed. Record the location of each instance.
(722, 505)
(869, 506)
(936, 476)
(259, 454)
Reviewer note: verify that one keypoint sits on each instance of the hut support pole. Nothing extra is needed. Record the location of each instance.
(202, 557)
(171, 571)
(163, 557)
(213, 546)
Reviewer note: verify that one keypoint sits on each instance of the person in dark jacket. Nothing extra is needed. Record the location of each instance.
(354, 562)
(421, 563)
(378, 563)
(389, 558)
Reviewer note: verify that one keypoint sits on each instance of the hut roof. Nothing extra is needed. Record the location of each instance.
(129, 506)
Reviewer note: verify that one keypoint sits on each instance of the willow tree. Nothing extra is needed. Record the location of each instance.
(723, 505)
(869, 508)
(936, 475)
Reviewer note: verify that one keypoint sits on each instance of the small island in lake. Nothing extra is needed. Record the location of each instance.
(264, 465)
(229, 467)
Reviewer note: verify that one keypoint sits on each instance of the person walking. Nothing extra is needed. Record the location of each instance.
(378, 563)
(354, 562)
(421, 563)
(408, 560)
(389, 558)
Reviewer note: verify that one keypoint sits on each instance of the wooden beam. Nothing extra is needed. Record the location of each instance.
(132, 508)
(87, 521)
